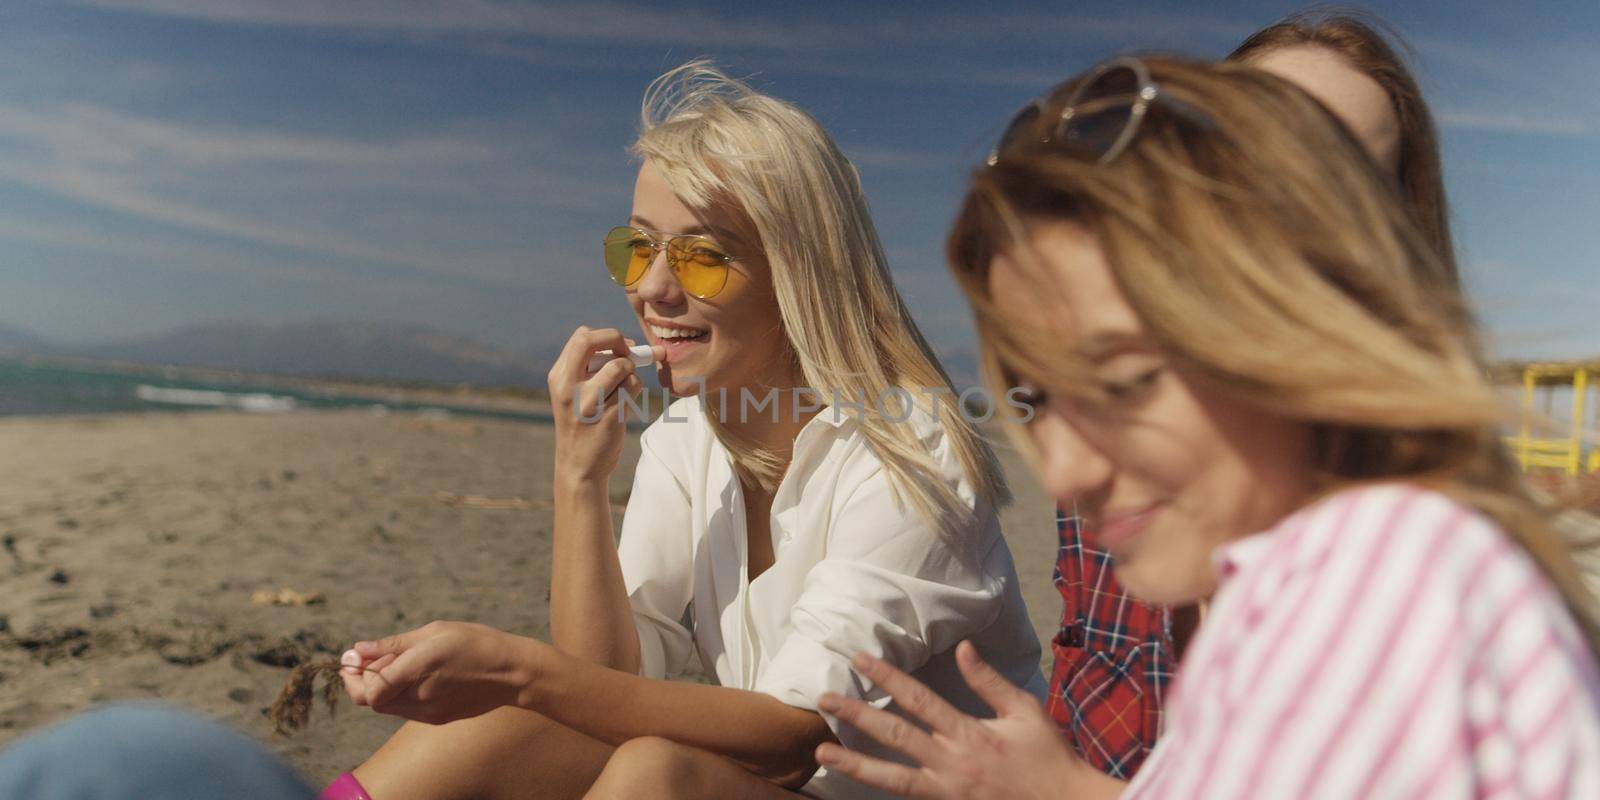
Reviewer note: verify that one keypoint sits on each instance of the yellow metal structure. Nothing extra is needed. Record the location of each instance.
(1578, 449)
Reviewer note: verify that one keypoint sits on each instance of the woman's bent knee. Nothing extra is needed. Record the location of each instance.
(647, 766)
(509, 752)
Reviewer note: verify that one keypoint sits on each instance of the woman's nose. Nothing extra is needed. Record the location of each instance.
(659, 286)
(1072, 465)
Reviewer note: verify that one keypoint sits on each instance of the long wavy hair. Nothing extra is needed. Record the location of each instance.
(715, 140)
(1264, 249)
(1373, 48)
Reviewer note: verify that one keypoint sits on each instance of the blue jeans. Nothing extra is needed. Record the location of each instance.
(143, 752)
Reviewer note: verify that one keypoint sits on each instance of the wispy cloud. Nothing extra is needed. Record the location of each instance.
(1531, 123)
(175, 252)
(305, 193)
(583, 22)
(1519, 87)
(102, 135)
(855, 42)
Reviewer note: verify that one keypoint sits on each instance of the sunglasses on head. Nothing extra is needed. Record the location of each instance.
(699, 263)
(1097, 120)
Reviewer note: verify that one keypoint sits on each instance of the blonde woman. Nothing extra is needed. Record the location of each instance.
(1228, 330)
(813, 494)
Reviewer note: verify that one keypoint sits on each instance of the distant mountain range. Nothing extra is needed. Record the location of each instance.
(17, 340)
(342, 349)
(325, 348)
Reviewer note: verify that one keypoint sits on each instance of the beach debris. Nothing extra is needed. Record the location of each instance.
(292, 709)
(60, 577)
(285, 597)
(49, 644)
(517, 503)
(480, 501)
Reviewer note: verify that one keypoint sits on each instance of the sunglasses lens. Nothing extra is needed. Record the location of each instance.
(1102, 112)
(1022, 124)
(701, 265)
(628, 254)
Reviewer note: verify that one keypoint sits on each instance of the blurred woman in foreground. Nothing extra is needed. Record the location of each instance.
(1242, 372)
(1114, 656)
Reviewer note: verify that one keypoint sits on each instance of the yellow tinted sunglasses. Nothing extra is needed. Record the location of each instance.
(699, 264)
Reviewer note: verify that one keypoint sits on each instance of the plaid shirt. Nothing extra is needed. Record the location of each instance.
(1113, 659)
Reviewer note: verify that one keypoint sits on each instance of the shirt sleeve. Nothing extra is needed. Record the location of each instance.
(888, 585)
(1411, 651)
(656, 552)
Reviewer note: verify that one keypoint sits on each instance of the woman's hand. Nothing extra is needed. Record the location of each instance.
(589, 440)
(440, 672)
(1018, 754)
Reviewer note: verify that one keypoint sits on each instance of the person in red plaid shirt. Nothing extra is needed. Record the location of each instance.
(1113, 659)
(1114, 656)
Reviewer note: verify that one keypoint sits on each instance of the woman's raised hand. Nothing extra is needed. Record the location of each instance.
(588, 407)
(1017, 754)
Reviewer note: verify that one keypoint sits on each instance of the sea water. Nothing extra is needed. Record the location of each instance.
(38, 387)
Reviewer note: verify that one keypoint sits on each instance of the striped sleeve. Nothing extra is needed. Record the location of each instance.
(1388, 642)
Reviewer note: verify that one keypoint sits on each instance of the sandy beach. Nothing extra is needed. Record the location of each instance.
(132, 546)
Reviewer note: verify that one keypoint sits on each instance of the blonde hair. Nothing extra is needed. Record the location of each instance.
(716, 141)
(1263, 249)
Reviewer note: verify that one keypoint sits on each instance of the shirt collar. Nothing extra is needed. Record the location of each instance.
(832, 415)
(1231, 558)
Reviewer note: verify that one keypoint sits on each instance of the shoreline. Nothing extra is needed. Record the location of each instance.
(504, 399)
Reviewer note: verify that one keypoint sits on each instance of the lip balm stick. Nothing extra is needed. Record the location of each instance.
(639, 354)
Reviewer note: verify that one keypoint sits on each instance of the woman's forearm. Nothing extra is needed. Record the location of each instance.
(772, 739)
(589, 613)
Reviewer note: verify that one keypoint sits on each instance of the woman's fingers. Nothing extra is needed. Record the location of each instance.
(572, 366)
(887, 728)
(992, 687)
(376, 686)
(604, 340)
(893, 778)
(912, 696)
(598, 394)
(350, 673)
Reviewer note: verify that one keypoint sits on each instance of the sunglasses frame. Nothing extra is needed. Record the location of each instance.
(1146, 94)
(675, 257)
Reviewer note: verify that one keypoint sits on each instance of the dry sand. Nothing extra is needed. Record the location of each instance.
(133, 544)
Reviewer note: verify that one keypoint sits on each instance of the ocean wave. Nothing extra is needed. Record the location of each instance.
(256, 402)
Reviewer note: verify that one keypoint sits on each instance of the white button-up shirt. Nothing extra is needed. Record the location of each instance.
(854, 571)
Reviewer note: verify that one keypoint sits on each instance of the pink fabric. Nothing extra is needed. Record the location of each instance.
(1385, 642)
(344, 787)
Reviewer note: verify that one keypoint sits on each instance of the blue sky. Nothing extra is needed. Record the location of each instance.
(454, 164)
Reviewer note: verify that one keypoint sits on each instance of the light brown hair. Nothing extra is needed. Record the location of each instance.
(1371, 47)
(1264, 250)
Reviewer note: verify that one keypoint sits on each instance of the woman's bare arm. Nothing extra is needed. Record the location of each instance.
(589, 612)
(774, 740)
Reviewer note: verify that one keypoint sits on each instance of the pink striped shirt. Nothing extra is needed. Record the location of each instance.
(1385, 642)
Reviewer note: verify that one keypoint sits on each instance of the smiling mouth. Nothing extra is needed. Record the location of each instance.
(676, 335)
(1113, 531)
